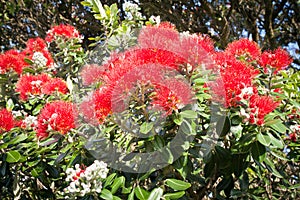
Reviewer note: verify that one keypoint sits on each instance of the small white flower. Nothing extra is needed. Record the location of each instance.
(155, 19)
(39, 59)
(36, 83)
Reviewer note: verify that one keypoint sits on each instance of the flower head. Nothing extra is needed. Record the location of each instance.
(6, 120)
(245, 48)
(260, 106)
(12, 60)
(29, 85)
(171, 95)
(57, 116)
(36, 50)
(63, 31)
(278, 59)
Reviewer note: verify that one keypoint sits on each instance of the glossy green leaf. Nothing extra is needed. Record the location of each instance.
(118, 182)
(258, 151)
(279, 127)
(276, 142)
(109, 180)
(13, 156)
(10, 104)
(141, 193)
(189, 114)
(263, 139)
(175, 195)
(156, 194)
(146, 127)
(223, 126)
(177, 184)
(106, 194)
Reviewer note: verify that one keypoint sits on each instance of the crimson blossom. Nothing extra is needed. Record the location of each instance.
(63, 31)
(245, 48)
(57, 116)
(6, 120)
(36, 50)
(12, 60)
(278, 59)
(40, 84)
(235, 76)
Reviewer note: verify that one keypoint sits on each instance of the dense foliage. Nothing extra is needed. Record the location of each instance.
(150, 113)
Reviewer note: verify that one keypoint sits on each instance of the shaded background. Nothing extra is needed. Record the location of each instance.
(270, 23)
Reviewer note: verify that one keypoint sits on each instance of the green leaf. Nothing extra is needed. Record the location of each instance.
(141, 193)
(190, 114)
(118, 182)
(263, 139)
(178, 119)
(37, 109)
(156, 194)
(146, 127)
(106, 194)
(10, 105)
(279, 127)
(177, 184)
(258, 151)
(186, 127)
(175, 195)
(13, 156)
(272, 167)
(223, 126)
(276, 142)
(131, 196)
(109, 180)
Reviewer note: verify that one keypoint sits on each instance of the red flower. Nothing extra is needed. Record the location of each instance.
(35, 44)
(91, 74)
(54, 85)
(98, 107)
(196, 50)
(159, 37)
(244, 47)
(278, 59)
(36, 50)
(65, 31)
(293, 137)
(235, 76)
(31, 85)
(172, 95)
(6, 120)
(261, 106)
(12, 59)
(58, 116)
(38, 85)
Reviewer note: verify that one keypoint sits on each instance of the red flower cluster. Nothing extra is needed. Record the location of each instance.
(6, 120)
(57, 116)
(64, 31)
(260, 106)
(98, 107)
(244, 49)
(12, 60)
(278, 59)
(40, 84)
(158, 49)
(235, 76)
(172, 95)
(194, 49)
(36, 50)
(237, 79)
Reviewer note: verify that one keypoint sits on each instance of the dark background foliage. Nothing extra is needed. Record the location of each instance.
(270, 23)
